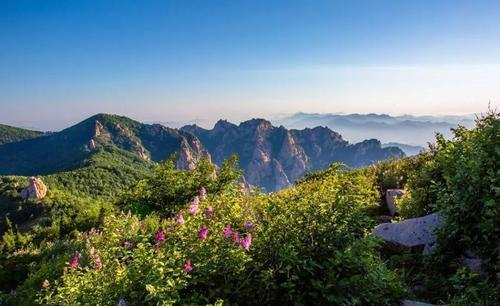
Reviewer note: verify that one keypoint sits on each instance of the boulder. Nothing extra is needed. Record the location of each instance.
(92, 144)
(412, 232)
(390, 195)
(472, 263)
(36, 189)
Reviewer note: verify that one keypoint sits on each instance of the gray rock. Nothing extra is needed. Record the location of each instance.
(473, 263)
(390, 195)
(411, 232)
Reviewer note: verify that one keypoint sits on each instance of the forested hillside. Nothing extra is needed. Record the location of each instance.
(199, 237)
(13, 134)
(73, 148)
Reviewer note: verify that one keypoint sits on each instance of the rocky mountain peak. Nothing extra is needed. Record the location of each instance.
(274, 158)
(223, 125)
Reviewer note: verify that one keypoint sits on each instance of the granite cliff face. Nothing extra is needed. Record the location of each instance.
(274, 157)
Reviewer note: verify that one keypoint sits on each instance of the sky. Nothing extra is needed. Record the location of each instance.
(196, 60)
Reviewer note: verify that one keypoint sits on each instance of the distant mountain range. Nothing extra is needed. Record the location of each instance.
(406, 129)
(272, 157)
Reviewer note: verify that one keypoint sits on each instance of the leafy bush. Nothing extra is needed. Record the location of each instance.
(308, 245)
(168, 189)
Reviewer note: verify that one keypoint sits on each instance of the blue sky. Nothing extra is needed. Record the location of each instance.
(181, 60)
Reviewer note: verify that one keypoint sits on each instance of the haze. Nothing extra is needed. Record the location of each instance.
(183, 61)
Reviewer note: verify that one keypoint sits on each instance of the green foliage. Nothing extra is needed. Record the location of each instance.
(10, 134)
(471, 197)
(168, 189)
(311, 243)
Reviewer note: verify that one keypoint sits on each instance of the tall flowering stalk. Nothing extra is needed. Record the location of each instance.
(203, 193)
(194, 208)
(208, 212)
(249, 225)
(97, 262)
(187, 266)
(236, 237)
(160, 236)
(180, 219)
(128, 245)
(203, 233)
(74, 262)
(227, 231)
(246, 242)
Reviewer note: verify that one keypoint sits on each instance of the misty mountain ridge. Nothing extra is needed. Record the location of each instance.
(405, 129)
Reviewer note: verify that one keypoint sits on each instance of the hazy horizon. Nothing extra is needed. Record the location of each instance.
(174, 61)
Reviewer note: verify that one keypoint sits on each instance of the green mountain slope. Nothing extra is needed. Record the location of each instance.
(10, 134)
(72, 148)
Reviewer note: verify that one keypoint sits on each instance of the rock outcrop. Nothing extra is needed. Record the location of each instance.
(274, 157)
(390, 196)
(36, 189)
(91, 144)
(412, 232)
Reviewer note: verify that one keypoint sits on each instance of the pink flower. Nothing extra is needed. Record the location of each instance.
(194, 208)
(170, 229)
(202, 234)
(249, 225)
(160, 236)
(203, 193)
(236, 237)
(180, 219)
(75, 260)
(97, 263)
(187, 266)
(246, 242)
(208, 212)
(227, 231)
(128, 245)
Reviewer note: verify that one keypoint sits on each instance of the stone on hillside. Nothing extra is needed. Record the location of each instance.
(473, 263)
(36, 189)
(92, 144)
(414, 303)
(390, 195)
(411, 232)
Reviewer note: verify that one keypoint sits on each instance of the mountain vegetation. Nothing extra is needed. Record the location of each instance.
(164, 236)
(272, 158)
(74, 147)
(10, 134)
